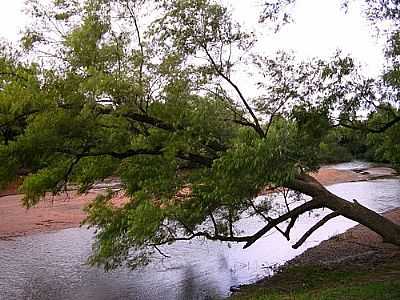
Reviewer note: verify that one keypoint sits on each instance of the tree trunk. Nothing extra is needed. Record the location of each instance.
(389, 231)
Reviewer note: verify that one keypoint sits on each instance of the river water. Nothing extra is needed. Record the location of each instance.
(52, 265)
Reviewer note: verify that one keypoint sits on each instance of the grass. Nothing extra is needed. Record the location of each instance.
(381, 282)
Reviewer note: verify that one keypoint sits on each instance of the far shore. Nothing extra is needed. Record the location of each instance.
(66, 210)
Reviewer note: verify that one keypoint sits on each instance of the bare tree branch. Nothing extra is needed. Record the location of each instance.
(314, 228)
(290, 226)
(257, 126)
(313, 204)
(379, 129)
(266, 218)
(161, 252)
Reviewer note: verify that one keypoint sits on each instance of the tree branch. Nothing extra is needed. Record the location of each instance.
(196, 158)
(168, 127)
(266, 218)
(313, 204)
(150, 121)
(214, 223)
(257, 126)
(119, 155)
(135, 22)
(314, 228)
(216, 237)
(19, 117)
(380, 129)
(290, 226)
(159, 251)
(244, 122)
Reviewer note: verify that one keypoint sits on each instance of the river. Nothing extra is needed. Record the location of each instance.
(52, 265)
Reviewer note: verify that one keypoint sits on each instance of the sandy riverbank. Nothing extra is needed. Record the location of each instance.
(53, 213)
(66, 211)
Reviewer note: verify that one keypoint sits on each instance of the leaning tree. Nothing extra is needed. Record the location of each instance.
(174, 98)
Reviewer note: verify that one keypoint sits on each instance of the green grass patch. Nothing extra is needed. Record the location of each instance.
(380, 282)
(369, 291)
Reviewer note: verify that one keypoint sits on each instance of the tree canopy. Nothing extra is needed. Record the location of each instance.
(149, 92)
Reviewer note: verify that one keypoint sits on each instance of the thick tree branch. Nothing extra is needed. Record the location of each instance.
(244, 123)
(168, 127)
(307, 185)
(266, 218)
(308, 206)
(119, 155)
(150, 121)
(314, 228)
(19, 117)
(196, 158)
(290, 226)
(215, 237)
(379, 129)
(202, 160)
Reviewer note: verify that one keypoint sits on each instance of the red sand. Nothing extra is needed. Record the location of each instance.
(54, 213)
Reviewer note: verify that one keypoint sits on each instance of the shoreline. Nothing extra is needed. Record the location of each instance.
(358, 245)
(51, 214)
(357, 251)
(66, 210)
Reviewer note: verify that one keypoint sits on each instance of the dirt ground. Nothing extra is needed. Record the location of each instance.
(53, 213)
(66, 211)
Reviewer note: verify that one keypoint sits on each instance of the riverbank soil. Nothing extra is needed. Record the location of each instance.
(353, 265)
(53, 213)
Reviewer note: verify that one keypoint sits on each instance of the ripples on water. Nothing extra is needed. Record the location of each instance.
(51, 266)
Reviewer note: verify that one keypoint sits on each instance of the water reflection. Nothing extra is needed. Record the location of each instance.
(51, 266)
(352, 165)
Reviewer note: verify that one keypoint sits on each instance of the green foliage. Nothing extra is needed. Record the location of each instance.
(386, 146)
(122, 230)
(152, 102)
(91, 170)
(45, 180)
(343, 144)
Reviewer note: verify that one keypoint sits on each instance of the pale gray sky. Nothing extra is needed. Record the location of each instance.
(320, 28)
(12, 20)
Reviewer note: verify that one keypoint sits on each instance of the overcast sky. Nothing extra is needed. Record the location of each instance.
(320, 28)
